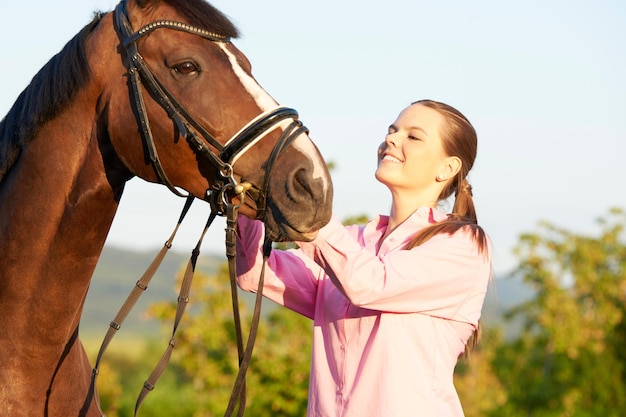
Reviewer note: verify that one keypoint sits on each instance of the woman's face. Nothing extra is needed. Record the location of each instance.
(412, 155)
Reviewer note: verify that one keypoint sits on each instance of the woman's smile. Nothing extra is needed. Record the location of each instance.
(390, 158)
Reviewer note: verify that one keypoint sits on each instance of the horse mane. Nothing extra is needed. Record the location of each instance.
(50, 90)
(201, 14)
(56, 83)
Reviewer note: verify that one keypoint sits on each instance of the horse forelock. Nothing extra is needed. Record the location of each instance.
(50, 90)
(203, 15)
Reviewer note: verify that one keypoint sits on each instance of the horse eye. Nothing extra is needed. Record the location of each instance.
(185, 68)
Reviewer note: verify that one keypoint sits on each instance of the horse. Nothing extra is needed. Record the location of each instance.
(174, 102)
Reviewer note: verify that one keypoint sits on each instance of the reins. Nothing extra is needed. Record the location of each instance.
(182, 301)
(238, 393)
(221, 195)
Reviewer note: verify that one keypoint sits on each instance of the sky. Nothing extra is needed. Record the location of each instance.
(543, 82)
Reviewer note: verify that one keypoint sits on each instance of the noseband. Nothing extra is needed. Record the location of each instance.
(223, 156)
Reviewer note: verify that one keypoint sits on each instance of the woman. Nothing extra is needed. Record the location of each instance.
(395, 302)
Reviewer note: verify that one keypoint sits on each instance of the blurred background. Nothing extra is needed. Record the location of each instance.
(542, 82)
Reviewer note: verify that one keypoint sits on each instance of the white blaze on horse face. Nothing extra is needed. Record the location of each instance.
(267, 103)
(304, 145)
(260, 96)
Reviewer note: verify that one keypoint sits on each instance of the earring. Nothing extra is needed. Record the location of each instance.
(440, 178)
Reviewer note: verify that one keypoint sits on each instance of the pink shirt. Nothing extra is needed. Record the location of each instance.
(389, 324)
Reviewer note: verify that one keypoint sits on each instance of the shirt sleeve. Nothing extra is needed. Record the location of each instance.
(291, 277)
(445, 277)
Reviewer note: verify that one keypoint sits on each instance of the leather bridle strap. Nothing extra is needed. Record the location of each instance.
(295, 129)
(183, 301)
(238, 393)
(139, 288)
(139, 72)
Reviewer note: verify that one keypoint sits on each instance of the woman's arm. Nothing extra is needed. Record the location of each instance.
(436, 278)
(290, 277)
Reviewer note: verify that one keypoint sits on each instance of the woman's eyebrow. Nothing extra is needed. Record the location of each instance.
(394, 127)
(418, 128)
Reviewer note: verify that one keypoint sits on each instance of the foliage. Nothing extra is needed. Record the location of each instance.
(478, 388)
(279, 381)
(206, 352)
(123, 370)
(361, 219)
(569, 359)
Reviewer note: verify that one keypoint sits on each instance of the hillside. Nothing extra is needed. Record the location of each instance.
(115, 276)
(119, 269)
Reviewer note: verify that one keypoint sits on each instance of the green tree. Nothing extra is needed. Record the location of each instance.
(476, 383)
(123, 371)
(206, 351)
(279, 381)
(569, 359)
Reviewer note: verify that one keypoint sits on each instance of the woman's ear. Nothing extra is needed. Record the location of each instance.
(450, 166)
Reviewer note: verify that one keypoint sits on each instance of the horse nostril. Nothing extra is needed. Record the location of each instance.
(300, 188)
(301, 203)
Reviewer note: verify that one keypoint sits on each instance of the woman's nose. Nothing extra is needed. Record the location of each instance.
(391, 140)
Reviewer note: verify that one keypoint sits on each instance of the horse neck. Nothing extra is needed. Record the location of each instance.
(57, 207)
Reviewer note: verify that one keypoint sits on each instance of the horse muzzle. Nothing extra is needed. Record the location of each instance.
(299, 195)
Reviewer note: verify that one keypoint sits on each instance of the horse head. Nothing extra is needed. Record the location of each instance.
(202, 123)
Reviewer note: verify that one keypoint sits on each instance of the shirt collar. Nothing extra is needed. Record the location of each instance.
(422, 217)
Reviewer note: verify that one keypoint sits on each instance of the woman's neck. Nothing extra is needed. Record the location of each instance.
(403, 206)
(401, 209)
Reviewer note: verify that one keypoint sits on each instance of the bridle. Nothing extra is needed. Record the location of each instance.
(222, 157)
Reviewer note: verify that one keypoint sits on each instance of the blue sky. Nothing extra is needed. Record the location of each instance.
(542, 81)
